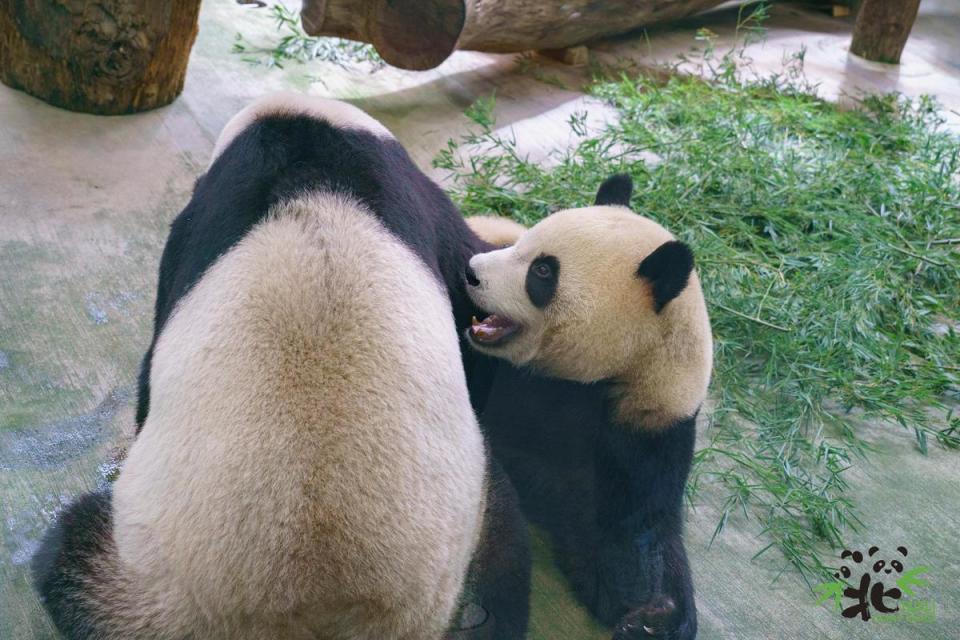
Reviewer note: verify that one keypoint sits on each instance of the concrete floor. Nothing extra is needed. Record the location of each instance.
(84, 206)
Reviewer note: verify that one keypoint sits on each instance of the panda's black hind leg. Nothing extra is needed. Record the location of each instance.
(66, 559)
(668, 610)
(503, 562)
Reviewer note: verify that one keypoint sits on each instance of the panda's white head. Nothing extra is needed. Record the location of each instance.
(600, 293)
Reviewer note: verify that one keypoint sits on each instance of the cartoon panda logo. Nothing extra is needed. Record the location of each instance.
(870, 590)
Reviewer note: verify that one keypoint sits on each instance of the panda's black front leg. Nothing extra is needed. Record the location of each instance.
(645, 589)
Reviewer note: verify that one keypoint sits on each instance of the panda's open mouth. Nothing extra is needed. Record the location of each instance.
(493, 330)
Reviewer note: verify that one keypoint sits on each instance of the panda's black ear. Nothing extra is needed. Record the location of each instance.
(615, 190)
(668, 270)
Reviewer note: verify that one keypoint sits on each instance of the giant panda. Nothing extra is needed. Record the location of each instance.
(308, 463)
(601, 313)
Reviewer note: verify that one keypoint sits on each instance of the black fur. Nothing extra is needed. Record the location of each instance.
(609, 496)
(502, 562)
(541, 287)
(65, 556)
(615, 190)
(668, 269)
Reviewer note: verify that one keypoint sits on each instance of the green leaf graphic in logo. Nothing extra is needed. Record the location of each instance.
(829, 590)
(910, 578)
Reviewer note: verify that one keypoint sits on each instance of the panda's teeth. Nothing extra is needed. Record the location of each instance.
(473, 321)
(493, 329)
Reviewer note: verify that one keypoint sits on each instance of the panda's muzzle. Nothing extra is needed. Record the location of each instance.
(492, 331)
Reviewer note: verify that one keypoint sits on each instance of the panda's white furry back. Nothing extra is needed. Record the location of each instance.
(358, 403)
(310, 465)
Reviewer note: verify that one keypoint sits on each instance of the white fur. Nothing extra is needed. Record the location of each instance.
(602, 324)
(339, 114)
(500, 232)
(311, 466)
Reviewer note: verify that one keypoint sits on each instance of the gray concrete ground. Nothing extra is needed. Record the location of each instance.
(84, 206)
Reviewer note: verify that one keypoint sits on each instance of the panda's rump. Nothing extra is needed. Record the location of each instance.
(308, 392)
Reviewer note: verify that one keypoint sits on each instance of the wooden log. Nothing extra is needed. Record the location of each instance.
(410, 34)
(420, 34)
(572, 56)
(882, 29)
(101, 56)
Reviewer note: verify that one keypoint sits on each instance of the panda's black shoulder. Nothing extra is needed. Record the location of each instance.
(279, 157)
(282, 156)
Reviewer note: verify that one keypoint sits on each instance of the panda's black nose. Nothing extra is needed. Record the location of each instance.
(471, 276)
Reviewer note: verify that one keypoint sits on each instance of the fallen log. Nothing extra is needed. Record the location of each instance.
(420, 34)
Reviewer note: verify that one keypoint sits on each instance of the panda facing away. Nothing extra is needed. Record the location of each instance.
(308, 462)
(602, 313)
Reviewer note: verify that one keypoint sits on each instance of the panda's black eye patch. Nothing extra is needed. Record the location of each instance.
(542, 278)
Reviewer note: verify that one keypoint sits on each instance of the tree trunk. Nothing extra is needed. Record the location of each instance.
(420, 34)
(99, 56)
(882, 28)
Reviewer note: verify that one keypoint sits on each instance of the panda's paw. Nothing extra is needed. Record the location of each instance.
(655, 619)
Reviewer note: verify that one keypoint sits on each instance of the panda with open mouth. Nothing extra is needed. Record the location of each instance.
(601, 313)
